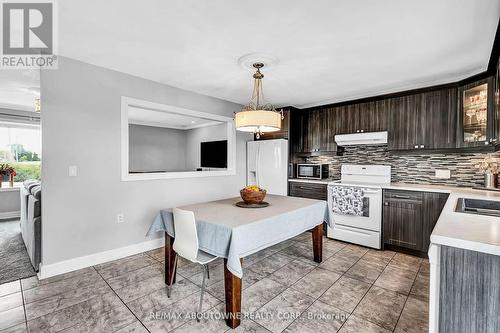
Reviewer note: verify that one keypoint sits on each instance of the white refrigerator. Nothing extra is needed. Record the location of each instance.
(267, 165)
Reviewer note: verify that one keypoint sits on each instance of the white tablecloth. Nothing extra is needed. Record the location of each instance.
(231, 232)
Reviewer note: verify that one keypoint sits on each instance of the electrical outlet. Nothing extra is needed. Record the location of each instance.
(443, 173)
(120, 218)
(72, 171)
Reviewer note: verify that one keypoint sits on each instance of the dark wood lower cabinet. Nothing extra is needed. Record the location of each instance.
(307, 190)
(402, 219)
(433, 205)
(409, 217)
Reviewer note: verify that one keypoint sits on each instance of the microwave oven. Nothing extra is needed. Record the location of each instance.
(312, 171)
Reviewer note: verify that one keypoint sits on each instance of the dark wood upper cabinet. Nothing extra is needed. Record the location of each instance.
(312, 131)
(361, 117)
(438, 119)
(281, 134)
(328, 129)
(497, 104)
(346, 117)
(373, 116)
(321, 131)
(476, 114)
(423, 121)
(403, 115)
(297, 132)
(428, 120)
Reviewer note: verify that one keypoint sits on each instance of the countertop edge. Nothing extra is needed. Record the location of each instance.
(393, 186)
(313, 181)
(422, 188)
(465, 244)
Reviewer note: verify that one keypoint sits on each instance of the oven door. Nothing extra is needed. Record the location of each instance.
(309, 171)
(372, 212)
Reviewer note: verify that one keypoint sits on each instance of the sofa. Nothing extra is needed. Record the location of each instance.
(31, 220)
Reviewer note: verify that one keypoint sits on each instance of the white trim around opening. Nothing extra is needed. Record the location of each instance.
(126, 102)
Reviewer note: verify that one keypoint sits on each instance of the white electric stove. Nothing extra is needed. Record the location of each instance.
(365, 229)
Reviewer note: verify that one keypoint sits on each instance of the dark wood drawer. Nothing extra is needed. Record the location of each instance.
(307, 190)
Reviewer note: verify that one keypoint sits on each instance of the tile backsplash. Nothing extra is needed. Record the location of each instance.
(417, 169)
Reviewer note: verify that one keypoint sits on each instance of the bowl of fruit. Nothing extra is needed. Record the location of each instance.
(253, 194)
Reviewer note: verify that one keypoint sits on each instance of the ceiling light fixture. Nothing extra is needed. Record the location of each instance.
(258, 116)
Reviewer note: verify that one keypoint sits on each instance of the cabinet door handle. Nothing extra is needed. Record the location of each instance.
(397, 196)
(306, 188)
(386, 203)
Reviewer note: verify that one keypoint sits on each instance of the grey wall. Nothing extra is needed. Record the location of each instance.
(198, 135)
(81, 126)
(157, 148)
(414, 168)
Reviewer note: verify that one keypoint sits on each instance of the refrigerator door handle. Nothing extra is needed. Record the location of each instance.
(257, 166)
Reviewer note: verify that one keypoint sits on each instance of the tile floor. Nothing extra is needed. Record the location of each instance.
(284, 290)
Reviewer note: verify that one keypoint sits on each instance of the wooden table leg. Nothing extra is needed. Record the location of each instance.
(317, 236)
(233, 297)
(169, 259)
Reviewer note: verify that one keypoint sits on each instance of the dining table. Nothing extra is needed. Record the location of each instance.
(231, 232)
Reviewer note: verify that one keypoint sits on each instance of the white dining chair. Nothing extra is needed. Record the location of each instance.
(186, 246)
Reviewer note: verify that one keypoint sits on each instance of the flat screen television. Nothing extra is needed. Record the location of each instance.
(214, 154)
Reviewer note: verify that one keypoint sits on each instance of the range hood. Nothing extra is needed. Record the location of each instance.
(369, 138)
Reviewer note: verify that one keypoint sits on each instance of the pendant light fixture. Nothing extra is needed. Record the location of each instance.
(258, 116)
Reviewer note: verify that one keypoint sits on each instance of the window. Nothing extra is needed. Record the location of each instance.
(20, 147)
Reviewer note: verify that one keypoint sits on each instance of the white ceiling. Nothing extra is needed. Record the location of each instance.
(19, 88)
(148, 117)
(328, 51)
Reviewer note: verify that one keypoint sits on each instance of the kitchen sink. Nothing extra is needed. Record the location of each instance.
(479, 207)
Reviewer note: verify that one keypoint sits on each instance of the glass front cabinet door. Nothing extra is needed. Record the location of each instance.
(476, 114)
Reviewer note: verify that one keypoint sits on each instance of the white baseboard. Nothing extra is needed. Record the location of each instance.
(10, 215)
(74, 264)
